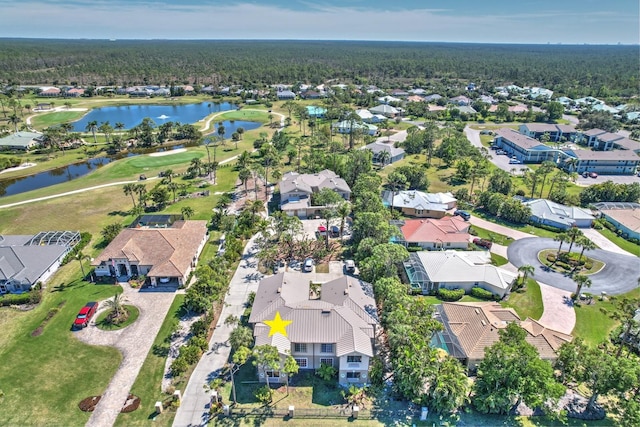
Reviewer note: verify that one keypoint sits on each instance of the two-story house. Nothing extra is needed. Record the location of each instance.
(296, 190)
(332, 323)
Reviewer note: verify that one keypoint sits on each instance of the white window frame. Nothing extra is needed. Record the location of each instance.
(354, 359)
(300, 347)
(355, 375)
(304, 360)
(273, 374)
(323, 350)
(325, 360)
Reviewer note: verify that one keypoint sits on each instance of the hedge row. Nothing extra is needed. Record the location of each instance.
(483, 294)
(450, 294)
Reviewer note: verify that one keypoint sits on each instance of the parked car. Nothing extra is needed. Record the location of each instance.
(322, 230)
(334, 231)
(350, 266)
(482, 243)
(585, 174)
(464, 214)
(143, 177)
(494, 147)
(593, 175)
(85, 314)
(514, 161)
(308, 265)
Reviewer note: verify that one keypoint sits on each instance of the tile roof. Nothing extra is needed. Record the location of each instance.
(344, 313)
(630, 218)
(312, 183)
(464, 267)
(170, 251)
(415, 199)
(543, 208)
(448, 229)
(476, 326)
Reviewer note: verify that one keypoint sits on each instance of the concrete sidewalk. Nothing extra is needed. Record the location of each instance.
(194, 409)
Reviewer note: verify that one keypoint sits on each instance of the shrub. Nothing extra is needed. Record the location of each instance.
(480, 293)
(199, 342)
(190, 353)
(326, 372)
(14, 299)
(264, 394)
(179, 366)
(450, 295)
(551, 258)
(588, 265)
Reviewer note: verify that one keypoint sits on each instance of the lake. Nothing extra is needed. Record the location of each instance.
(132, 115)
(11, 186)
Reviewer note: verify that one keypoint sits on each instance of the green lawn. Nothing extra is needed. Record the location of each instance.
(528, 303)
(498, 238)
(46, 376)
(43, 120)
(147, 385)
(628, 246)
(498, 260)
(525, 228)
(102, 323)
(594, 326)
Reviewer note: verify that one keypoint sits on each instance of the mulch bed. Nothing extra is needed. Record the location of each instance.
(89, 404)
(132, 403)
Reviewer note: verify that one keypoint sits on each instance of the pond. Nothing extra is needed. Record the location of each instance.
(132, 115)
(11, 186)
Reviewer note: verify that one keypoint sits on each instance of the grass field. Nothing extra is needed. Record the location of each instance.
(498, 238)
(498, 260)
(628, 246)
(525, 228)
(49, 374)
(147, 385)
(44, 120)
(594, 326)
(528, 303)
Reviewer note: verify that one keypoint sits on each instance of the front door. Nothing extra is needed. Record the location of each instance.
(122, 270)
(134, 270)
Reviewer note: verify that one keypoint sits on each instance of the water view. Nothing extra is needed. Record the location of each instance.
(132, 115)
(11, 186)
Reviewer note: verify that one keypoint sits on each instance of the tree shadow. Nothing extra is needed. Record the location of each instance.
(119, 213)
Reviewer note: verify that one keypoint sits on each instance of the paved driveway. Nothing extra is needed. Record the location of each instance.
(619, 275)
(194, 410)
(605, 243)
(473, 135)
(134, 342)
(500, 229)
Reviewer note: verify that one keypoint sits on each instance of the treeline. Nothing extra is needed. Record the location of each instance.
(594, 69)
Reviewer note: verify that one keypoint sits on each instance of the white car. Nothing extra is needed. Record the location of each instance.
(514, 162)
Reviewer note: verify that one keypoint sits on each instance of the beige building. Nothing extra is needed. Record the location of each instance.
(332, 323)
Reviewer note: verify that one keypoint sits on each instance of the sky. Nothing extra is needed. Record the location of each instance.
(478, 21)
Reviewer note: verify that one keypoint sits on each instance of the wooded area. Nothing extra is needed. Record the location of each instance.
(573, 70)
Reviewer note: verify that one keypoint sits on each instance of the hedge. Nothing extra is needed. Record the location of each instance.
(450, 295)
(85, 238)
(480, 293)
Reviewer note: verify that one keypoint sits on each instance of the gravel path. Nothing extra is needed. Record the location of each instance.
(619, 275)
(134, 342)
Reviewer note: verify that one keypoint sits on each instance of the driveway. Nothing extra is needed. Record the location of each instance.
(604, 243)
(558, 309)
(134, 342)
(194, 409)
(619, 275)
(497, 228)
(473, 135)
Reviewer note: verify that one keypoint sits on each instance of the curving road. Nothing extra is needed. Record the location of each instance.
(619, 275)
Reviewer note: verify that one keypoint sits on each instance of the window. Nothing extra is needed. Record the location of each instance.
(300, 347)
(354, 359)
(353, 375)
(326, 348)
(326, 361)
(273, 374)
(302, 362)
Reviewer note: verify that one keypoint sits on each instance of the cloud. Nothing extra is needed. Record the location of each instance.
(153, 20)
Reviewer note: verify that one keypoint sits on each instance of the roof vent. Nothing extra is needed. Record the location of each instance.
(326, 311)
(279, 290)
(483, 323)
(346, 291)
(477, 311)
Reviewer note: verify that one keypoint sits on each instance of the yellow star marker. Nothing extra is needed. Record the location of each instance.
(278, 325)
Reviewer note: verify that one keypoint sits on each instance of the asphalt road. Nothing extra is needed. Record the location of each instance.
(619, 275)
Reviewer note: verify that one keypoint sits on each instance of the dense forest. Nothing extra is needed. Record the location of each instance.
(567, 69)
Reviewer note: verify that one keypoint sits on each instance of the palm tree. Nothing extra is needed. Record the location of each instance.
(586, 243)
(243, 160)
(243, 175)
(573, 234)
(396, 181)
(526, 270)
(343, 210)
(173, 187)
(14, 120)
(384, 157)
(562, 238)
(116, 305)
(92, 127)
(221, 131)
(129, 190)
(254, 206)
(581, 280)
(187, 211)
(82, 257)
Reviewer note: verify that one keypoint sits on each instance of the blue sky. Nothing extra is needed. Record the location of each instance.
(491, 21)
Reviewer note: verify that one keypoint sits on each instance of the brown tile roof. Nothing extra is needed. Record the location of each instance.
(476, 327)
(170, 251)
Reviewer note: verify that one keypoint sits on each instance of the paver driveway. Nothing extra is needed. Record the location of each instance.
(134, 342)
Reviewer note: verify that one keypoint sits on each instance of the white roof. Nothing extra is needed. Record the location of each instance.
(464, 266)
(419, 200)
(556, 212)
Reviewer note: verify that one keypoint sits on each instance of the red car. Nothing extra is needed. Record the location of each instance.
(85, 315)
(482, 243)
